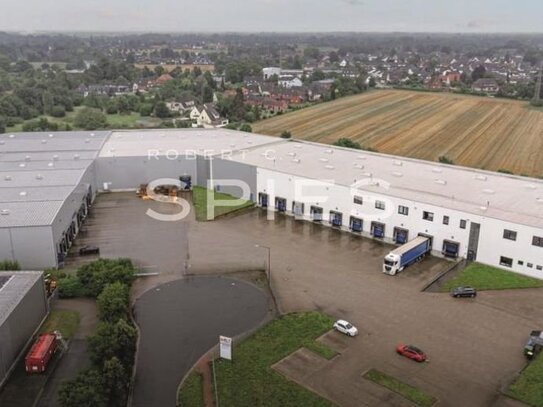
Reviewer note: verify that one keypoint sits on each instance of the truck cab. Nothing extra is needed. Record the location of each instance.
(391, 264)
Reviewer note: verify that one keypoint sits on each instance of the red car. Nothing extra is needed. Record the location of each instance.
(411, 352)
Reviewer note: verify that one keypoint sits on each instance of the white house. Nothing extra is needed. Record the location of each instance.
(207, 116)
(290, 82)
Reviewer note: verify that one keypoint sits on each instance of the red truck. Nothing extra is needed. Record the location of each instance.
(41, 353)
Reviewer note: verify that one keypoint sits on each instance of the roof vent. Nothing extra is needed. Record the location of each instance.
(539, 200)
(440, 181)
(481, 177)
(87, 140)
(2, 142)
(437, 170)
(367, 174)
(22, 193)
(359, 166)
(296, 160)
(489, 191)
(249, 142)
(324, 160)
(530, 186)
(12, 136)
(397, 163)
(232, 145)
(297, 146)
(361, 157)
(92, 134)
(55, 157)
(44, 141)
(22, 165)
(483, 208)
(8, 178)
(50, 164)
(329, 167)
(27, 158)
(397, 174)
(292, 154)
(329, 151)
(51, 136)
(4, 212)
(39, 177)
(76, 156)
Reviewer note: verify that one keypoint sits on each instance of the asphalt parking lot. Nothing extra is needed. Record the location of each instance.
(474, 346)
(180, 321)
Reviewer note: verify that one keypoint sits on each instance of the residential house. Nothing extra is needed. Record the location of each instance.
(290, 82)
(486, 85)
(181, 106)
(207, 116)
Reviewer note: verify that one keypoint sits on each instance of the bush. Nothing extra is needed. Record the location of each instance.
(3, 125)
(9, 265)
(346, 142)
(504, 171)
(58, 111)
(286, 134)
(445, 160)
(113, 340)
(246, 128)
(85, 390)
(96, 275)
(70, 287)
(146, 109)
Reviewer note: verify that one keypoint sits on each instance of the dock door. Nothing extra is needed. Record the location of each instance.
(263, 199)
(298, 209)
(356, 224)
(336, 218)
(281, 204)
(378, 229)
(450, 248)
(400, 235)
(316, 213)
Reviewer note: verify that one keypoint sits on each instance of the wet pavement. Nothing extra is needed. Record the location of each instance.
(180, 321)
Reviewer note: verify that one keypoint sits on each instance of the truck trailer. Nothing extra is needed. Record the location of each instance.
(405, 255)
(40, 354)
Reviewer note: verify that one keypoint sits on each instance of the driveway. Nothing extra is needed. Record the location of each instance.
(182, 320)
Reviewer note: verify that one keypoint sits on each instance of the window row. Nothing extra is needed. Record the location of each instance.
(512, 235)
(508, 262)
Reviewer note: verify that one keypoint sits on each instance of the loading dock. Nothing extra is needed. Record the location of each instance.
(298, 209)
(378, 229)
(450, 248)
(280, 204)
(429, 237)
(356, 224)
(400, 235)
(316, 213)
(263, 199)
(336, 219)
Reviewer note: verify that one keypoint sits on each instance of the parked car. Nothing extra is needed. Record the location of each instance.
(86, 250)
(411, 352)
(463, 292)
(345, 327)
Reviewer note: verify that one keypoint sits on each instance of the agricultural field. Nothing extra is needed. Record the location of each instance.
(482, 132)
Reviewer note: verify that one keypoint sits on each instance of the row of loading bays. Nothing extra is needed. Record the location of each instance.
(356, 225)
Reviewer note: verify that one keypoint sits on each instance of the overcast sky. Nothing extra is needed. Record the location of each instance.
(272, 15)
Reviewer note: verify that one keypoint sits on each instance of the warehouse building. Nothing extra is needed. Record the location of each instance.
(23, 306)
(493, 218)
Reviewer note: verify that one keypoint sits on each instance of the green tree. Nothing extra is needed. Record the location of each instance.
(2, 124)
(86, 390)
(96, 275)
(70, 287)
(116, 380)
(58, 111)
(113, 340)
(113, 302)
(161, 110)
(90, 119)
(478, 73)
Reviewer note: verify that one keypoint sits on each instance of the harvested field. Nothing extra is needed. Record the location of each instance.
(473, 131)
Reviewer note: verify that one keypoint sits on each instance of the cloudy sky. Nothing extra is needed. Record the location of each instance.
(272, 15)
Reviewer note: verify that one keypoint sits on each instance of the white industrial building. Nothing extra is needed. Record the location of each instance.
(23, 307)
(496, 219)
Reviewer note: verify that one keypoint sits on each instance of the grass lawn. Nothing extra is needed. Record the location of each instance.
(249, 380)
(411, 393)
(191, 394)
(122, 120)
(529, 385)
(64, 321)
(484, 277)
(199, 199)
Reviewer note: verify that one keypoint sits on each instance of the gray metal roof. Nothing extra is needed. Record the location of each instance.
(17, 214)
(15, 289)
(58, 141)
(6, 166)
(35, 194)
(47, 156)
(30, 179)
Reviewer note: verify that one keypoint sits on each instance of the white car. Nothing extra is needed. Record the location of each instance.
(345, 327)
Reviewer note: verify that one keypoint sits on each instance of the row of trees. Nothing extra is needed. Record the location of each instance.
(112, 348)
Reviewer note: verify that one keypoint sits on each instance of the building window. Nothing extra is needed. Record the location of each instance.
(530, 265)
(509, 234)
(403, 210)
(380, 205)
(463, 223)
(537, 241)
(539, 268)
(445, 220)
(507, 262)
(358, 200)
(428, 216)
(521, 263)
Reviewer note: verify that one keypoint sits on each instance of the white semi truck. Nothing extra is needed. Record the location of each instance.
(405, 255)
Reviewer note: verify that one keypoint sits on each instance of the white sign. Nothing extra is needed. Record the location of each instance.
(225, 346)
